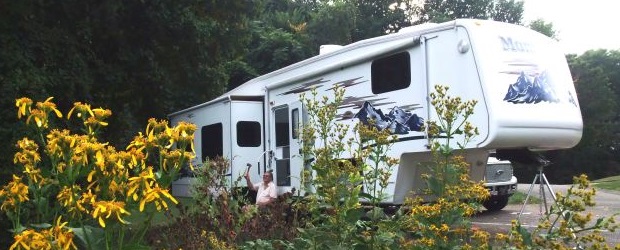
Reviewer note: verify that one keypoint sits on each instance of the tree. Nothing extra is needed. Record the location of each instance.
(140, 58)
(378, 17)
(286, 32)
(509, 11)
(444, 10)
(546, 28)
(596, 79)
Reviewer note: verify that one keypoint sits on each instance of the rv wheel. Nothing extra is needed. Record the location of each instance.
(496, 203)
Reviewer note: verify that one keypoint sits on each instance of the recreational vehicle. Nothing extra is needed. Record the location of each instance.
(520, 78)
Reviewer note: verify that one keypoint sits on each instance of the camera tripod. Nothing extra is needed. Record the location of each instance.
(542, 184)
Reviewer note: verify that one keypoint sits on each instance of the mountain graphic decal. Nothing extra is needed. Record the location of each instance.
(398, 121)
(525, 90)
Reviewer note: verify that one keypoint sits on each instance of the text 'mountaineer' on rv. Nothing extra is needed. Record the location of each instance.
(520, 78)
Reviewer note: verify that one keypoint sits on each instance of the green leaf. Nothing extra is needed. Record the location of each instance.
(376, 213)
(366, 196)
(354, 215)
(91, 234)
(19, 229)
(41, 225)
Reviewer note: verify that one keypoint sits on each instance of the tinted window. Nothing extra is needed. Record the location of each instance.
(281, 116)
(212, 141)
(248, 134)
(295, 123)
(391, 73)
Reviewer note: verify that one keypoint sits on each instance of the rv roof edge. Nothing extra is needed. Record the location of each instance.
(352, 46)
(399, 46)
(218, 99)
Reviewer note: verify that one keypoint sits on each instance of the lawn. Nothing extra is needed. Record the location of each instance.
(519, 197)
(609, 183)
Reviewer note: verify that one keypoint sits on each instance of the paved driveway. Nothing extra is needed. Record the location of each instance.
(607, 203)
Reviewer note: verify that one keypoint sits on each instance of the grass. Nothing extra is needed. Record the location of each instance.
(519, 198)
(609, 183)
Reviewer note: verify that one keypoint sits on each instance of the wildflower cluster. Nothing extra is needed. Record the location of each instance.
(567, 225)
(444, 223)
(335, 188)
(94, 183)
(39, 115)
(373, 145)
(57, 237)
(341, 162)
(452, 115)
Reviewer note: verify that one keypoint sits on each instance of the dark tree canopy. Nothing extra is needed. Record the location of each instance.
(140, 59)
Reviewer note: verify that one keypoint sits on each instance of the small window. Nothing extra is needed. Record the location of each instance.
(282, 124)
(248, 134)
(391, 73)
(212, 141)
(295, 123)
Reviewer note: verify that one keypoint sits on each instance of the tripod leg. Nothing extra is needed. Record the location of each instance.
(543, 196)
(527, 197)
(549, 187)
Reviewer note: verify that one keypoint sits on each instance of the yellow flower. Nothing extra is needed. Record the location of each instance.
(58, 237)
(15, 192)
(28, 154)
(63, 237)
(81, 110)
(156, 195)
(30, 239)
(94, 122)
(86, 199)
(23, 106)
(48, 106)
(34, 174)
(183, 134)
(39, 117)
(139, 143)
(145, 180)
(105, 209)
(40, 114)
(67, 197)
(102, 114)
(116, 187)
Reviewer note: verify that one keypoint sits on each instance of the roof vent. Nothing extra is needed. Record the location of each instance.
(327, 48)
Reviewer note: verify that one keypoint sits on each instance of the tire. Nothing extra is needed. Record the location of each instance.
(496, 203)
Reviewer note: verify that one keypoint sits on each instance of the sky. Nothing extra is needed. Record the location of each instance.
(580, 25)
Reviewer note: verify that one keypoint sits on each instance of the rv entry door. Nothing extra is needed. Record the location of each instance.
(288, 120)
(298, 119)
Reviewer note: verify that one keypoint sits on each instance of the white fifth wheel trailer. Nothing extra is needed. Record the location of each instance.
(520, 78)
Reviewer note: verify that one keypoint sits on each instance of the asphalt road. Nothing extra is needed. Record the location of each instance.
(607, 203)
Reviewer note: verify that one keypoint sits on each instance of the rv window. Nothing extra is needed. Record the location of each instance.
(282, 123)
(295, 123)
(212, 141)
(391, 73)
(248, 134)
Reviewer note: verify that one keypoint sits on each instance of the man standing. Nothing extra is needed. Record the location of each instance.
(266, 191)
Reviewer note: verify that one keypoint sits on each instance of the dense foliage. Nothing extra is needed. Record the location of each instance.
(141, 59)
